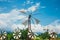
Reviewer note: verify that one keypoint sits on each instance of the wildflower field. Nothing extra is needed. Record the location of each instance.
(22, 35)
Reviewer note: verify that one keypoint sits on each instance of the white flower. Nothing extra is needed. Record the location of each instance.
(53, 37)
(17, 37)
(50, 35)
(20, 33)
(17, 34)
(18, 30)
(4, 37)
(29, 33)
(13, 33)
(14, 37)
(29, 36)
(5, 33)
(49, 32)
(29, 30)
(32, 37)
(1, 38)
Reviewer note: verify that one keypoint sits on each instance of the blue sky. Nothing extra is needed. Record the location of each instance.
(50, 13)
(47, 11)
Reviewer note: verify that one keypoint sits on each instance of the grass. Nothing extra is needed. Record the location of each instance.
(37, 38)
(58, 38)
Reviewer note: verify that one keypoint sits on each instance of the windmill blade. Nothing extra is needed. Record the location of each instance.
(21, 20)
(23, 11)
(36, 21)
(25, 23)
(33, 21)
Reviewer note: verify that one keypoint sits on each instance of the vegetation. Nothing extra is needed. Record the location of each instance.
(24, 34)
(10, 36)
(42, 36)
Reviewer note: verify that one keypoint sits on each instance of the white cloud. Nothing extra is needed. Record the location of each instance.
(8, 19)
(37, 4)
(54, 26)
(34, 28)
(7, 22)
(20, 26)
(37, 28)
(28, 2)
(34, 8)
(2, 23)
(31, 9)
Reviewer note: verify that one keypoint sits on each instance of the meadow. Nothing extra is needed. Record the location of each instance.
(22, 35)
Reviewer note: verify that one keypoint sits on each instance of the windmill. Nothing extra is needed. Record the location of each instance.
(30, 18)
(29, 14)
(28, 21)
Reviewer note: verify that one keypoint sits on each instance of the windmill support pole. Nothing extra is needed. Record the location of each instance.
(29, 22)
(29, 27)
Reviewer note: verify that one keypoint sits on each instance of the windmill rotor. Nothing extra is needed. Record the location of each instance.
(22, 11)
(25, 22)
(36, 21)
(29, 19)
